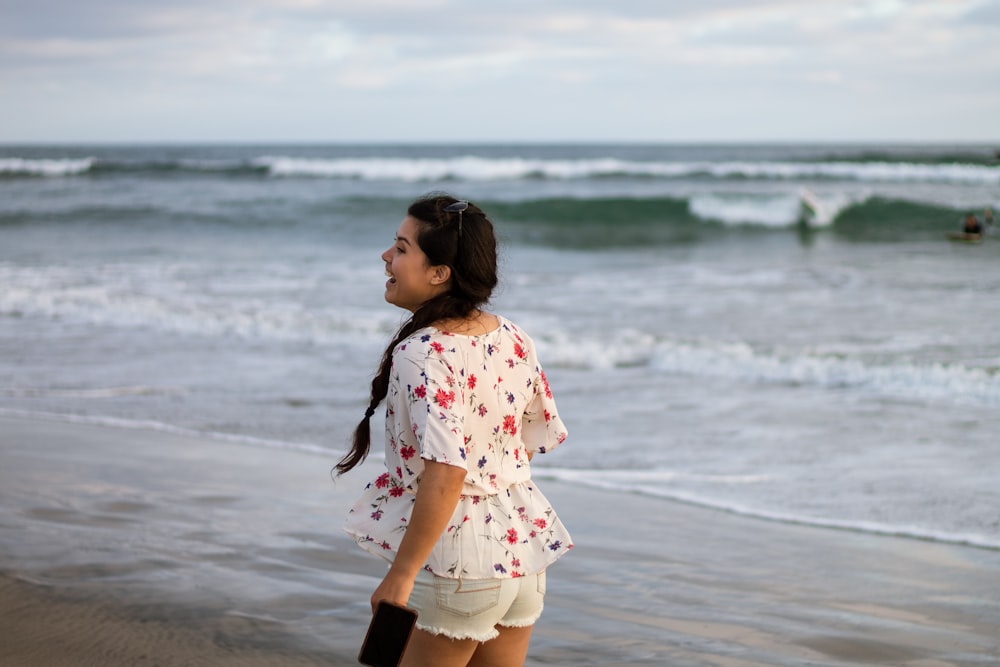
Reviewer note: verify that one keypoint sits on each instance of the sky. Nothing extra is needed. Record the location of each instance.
(517, 71)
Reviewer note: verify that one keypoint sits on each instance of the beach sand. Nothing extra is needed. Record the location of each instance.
(125, 546)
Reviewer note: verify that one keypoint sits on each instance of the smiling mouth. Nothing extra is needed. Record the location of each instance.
(392, 279)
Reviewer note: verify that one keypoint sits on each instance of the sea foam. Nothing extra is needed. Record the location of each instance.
(659, 484)
(475, 168)
(15, 166)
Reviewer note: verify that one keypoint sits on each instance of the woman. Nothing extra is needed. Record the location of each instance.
(467, 533)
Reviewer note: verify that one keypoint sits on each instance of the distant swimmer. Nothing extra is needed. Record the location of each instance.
(972, 225)
(972, 230)
(988, 216)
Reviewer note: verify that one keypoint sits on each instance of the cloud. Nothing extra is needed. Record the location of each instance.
(631, 69)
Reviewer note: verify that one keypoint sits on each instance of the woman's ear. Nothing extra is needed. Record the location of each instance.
(441, 274)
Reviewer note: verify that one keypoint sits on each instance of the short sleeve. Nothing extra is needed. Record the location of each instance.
(429, 379)
(541, 428)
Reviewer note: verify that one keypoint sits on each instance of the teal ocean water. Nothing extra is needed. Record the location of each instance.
(782, 331)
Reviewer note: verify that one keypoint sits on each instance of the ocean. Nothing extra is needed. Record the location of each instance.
(780, 331)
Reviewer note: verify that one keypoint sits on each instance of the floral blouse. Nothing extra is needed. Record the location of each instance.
(480, 403)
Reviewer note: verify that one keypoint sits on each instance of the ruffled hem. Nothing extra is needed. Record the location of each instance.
(503, 536)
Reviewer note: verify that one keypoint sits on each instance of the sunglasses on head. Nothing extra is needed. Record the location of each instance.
(457, 207)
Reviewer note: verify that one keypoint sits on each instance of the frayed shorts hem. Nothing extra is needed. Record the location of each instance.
(521, 623)
(485, 637)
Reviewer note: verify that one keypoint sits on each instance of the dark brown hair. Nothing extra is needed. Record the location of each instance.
(463, 241)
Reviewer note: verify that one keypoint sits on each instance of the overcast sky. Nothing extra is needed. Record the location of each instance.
(522, 70)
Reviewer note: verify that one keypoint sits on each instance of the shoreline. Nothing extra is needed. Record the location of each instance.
(548, 473)
(169, 549)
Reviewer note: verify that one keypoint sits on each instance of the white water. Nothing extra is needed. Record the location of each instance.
(487, 169)
(475, 168)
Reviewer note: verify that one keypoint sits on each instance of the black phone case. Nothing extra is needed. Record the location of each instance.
(387, 635)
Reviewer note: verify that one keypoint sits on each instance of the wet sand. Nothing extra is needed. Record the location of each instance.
(137, 547)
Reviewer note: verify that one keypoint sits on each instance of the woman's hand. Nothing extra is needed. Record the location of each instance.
(395, 588)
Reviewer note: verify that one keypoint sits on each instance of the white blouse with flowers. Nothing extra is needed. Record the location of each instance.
(480, 403)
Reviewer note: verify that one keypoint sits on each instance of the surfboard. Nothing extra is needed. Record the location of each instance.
(809, 208)
(962, 237)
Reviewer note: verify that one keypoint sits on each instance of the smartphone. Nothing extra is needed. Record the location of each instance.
(387, 635)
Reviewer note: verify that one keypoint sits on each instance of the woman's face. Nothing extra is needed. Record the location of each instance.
(412, 279)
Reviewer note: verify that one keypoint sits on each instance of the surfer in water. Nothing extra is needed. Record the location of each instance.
(972, 230)
(972, 226)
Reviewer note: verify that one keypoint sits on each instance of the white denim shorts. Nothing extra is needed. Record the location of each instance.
(472, 608)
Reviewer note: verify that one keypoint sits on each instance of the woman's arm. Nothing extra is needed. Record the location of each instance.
(437, 496)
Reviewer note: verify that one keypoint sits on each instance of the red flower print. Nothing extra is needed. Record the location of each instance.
(444, 391)
(545, 381)
(444, 398)
(510, 425)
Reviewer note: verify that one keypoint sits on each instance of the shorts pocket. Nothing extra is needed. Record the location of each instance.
(467, 598)
(541, 582)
